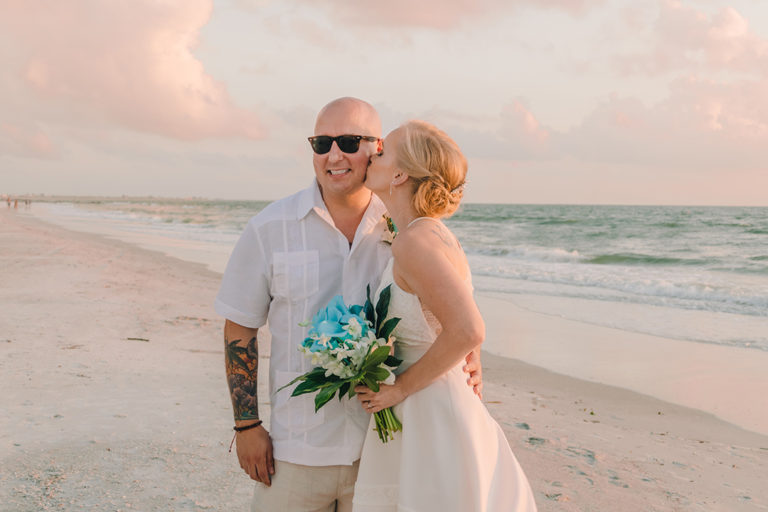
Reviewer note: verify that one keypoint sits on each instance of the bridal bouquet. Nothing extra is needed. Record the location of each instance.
(350, 345)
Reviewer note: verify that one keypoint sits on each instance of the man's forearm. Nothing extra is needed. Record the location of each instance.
(241, 357)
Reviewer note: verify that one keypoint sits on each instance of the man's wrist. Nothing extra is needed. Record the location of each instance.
(242, 426)
(252, 426)
(246, 422)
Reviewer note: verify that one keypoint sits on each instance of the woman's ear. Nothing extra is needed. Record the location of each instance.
(399, 178)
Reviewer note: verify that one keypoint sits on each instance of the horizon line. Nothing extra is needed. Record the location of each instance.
(64, 197)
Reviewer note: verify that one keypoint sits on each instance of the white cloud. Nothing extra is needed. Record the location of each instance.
(127, 63)
(686, 39)
(438, 14)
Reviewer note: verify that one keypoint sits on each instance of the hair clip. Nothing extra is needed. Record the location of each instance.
(459, 187)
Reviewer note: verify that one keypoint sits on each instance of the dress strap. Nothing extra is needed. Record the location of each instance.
(414, 221)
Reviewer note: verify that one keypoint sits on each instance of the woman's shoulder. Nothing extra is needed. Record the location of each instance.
(427, 235)
(420, 246)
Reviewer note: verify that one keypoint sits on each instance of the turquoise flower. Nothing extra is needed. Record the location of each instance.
(334, 324)
(327, 321)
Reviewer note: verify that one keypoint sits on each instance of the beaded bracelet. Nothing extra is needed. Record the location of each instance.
(241, 429)
(247, 427)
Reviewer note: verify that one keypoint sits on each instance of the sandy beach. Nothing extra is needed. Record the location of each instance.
(114, 398)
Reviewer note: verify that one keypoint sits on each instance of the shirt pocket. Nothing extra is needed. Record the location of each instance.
(294, 413)
(295, 274)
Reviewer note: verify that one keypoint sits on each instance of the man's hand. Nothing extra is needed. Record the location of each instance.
(254, 451)
(475, 370)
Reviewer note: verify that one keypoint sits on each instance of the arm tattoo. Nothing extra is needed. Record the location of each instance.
(242, 370)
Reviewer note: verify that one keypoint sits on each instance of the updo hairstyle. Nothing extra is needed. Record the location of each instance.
(436, 166)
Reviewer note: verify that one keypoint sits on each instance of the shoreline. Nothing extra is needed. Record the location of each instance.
(727, 382)
(722, 380)
(96, 418)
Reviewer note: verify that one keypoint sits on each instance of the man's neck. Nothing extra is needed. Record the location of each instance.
(348, 211)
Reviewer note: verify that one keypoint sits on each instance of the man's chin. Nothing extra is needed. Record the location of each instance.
(346, 186)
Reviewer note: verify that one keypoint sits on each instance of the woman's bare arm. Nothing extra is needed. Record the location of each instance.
(427, 265)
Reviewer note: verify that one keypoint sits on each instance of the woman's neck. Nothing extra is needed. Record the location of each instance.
(400, 209)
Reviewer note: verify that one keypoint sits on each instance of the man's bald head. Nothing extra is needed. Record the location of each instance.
(360, 118)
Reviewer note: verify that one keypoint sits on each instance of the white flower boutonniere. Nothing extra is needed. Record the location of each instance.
(390, 233)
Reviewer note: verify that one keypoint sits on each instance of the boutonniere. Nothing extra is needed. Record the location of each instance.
(391, 232)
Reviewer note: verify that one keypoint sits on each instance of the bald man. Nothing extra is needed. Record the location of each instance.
(292, 258)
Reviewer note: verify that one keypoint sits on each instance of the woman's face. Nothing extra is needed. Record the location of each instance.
(382, 170)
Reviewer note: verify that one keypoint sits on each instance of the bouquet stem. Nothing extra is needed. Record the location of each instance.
(386, 424)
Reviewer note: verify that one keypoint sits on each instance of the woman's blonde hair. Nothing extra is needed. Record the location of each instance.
(436, 167)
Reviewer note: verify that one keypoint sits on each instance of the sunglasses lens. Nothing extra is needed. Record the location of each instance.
(348, 143)
(321, 144)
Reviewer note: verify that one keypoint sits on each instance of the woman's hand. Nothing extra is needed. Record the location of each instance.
(387, 396)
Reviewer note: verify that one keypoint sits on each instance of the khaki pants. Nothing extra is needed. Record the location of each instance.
(297, 488)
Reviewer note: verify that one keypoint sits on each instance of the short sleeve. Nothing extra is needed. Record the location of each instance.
(244, 296)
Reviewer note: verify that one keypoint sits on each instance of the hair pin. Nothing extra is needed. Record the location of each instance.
(459, 187)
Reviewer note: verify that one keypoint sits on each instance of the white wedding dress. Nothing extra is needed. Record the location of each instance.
(451, 454)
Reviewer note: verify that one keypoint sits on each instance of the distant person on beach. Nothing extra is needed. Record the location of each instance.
(292, 258)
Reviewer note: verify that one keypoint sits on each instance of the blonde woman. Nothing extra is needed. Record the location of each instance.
(451, 455)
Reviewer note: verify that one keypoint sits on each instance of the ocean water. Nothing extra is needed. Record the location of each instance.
(693, 273)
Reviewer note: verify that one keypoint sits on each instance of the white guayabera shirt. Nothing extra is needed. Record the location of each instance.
(289, 262)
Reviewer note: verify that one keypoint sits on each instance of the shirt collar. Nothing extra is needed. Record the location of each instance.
(310, 198)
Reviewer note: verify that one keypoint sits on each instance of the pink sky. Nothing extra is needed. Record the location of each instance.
(563, 101)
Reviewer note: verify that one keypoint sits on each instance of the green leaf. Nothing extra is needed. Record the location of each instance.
(294, 381)
(343, 389)
(392, 361)
(307, 387)
(372, 384)
(368, 307)
(388, 327)
(376, 357)
(382, 307)
(317, 375)
(325, 395)
(378, 374)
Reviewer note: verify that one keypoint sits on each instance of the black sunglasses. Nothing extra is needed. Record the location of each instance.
(321, 144)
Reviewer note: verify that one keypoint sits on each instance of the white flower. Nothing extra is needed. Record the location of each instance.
(391, 378)
(354, 328)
